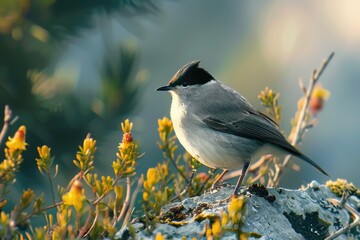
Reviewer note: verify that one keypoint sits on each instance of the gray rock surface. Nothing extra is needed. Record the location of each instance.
(272, 213)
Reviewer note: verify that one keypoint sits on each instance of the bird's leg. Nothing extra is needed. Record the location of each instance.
(218, 179)
(241, 178)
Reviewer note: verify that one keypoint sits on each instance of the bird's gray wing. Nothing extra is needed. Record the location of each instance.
(266, 117)
(253, 125)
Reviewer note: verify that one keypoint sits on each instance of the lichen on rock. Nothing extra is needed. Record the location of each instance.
(289, 214)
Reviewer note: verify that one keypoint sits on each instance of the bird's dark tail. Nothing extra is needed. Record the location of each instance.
(292, 150)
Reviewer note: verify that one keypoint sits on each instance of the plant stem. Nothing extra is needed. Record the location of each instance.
(126, 201)
(85, 230)
(172, 160)
(301, 121)
(51, 187)
(42, 210)
(132, 203)
(7, 122)
(347, 228)
(211, 174)
(185, 189)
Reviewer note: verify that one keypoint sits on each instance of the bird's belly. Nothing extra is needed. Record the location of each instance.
(212, 148)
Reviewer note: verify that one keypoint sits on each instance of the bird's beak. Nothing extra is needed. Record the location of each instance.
(164, 88)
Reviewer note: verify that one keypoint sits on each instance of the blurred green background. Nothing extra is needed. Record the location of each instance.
(72, 67)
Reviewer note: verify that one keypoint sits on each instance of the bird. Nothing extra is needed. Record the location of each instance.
(218, 126)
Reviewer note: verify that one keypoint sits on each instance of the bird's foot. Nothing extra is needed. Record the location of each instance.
(217, 185)
(228, 199)
(214, 186)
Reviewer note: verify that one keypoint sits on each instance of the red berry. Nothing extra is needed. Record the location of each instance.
(127, 137)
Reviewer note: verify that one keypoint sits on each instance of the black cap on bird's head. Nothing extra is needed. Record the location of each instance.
(189, 74)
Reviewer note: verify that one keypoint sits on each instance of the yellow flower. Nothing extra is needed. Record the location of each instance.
(119, 192)
(18, 141)
(165, 125)
(159, 236)
(268, 96)
(341, 185)
(208, 233)
(44, 152)
(45, 161)
(235, 204)
(224, 219)
(126, 126)
(163, 170)
(216, 228)
(235, 207)
(89, 145)
(243, 237)
(152, 176)
(318, 98)
(75, 196)
(4, 219)
(146, 196)
(320, 92)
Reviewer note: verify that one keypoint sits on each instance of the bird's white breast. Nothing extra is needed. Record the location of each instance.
(178, 113)
(212, 148)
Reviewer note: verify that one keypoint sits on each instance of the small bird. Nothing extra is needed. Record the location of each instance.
(218, 126)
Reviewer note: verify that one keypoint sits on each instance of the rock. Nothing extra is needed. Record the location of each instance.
(271, 213)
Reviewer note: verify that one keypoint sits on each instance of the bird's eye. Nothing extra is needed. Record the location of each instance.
(185, 84)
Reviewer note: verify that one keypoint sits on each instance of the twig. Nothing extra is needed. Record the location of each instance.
(85, 230)
(185, 189)
(167, 154)
(256, 165)
(211, 174)
(343, 199)
(7, 122)
(314, 79)
(107, 192)
(76, 177)
(132, 203)
(310, 125)
(123, 210)
(299, 126)
(51, 206)
(42, 210)
(172, 160)
(126, 201)
(302, 86)
(51, 187)
(347, 228)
